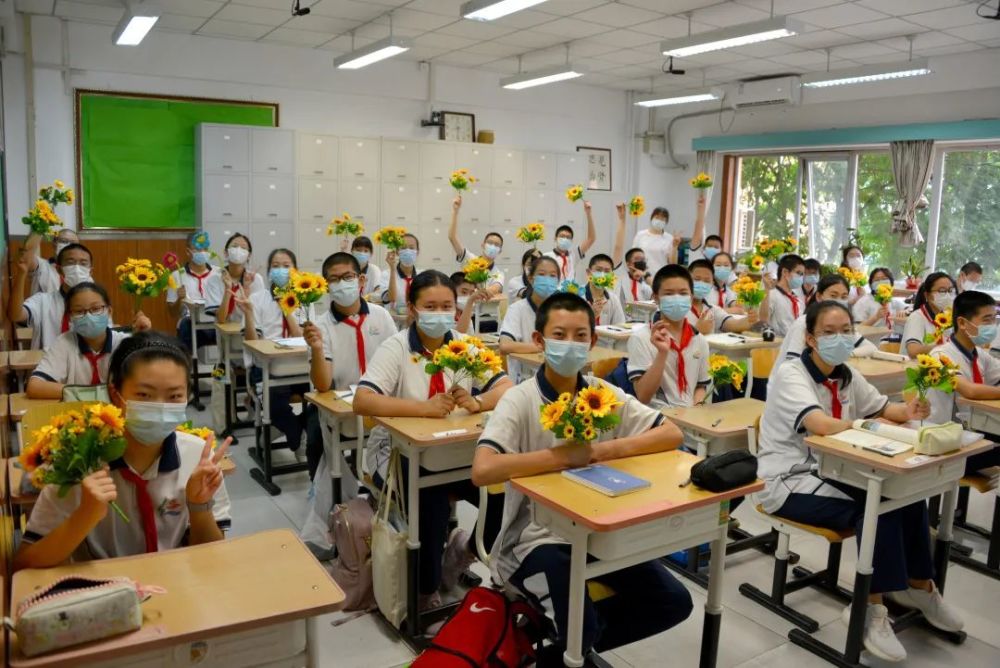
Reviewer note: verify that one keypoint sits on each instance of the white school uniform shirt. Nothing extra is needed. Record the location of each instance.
(496, 273)
(45, 317)
(795, 342)
(373, 278)
(166, 478)
(567, 262)
(46, 277)
(719, 315)
(340, 340)
(784, 461)
(643, 290)
(513, 428)
(919, 324)
(728, 296)
(401, 287)
(656, 247)
(514, 288)
(518, 325)
(612, 313)
(397, 370)
(214, 289)
(943, 405)
(782, 313)
(65, 361)
(194, 288)
(642, 352)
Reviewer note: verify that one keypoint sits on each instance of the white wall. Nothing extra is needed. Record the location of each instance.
(388, 99)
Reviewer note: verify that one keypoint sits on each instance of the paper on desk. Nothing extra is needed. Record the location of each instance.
(293, 342)
(724, 338)
(612, 329)
(888, 357)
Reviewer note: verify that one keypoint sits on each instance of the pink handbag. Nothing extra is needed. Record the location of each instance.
(351, 525)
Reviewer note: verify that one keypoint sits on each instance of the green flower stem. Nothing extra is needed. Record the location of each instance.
(121, 513)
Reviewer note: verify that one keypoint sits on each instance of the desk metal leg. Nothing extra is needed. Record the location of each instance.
(749, 387)
(333, 457)
(713, 603)
(942, 546)
(573, 655)
(413, 547)
(264, 474)
(196, 390)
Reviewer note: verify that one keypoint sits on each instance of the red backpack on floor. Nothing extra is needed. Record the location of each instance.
(486, 631)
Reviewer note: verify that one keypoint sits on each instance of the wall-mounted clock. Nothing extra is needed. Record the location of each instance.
(458, 126)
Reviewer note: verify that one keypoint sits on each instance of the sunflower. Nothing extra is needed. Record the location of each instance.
(587, 420)
(565, 397)
(458, 347)
(738, 381)
(599, 399)
(581, 408)
(106, 414)
(946, 361)
(943, 320)
(551, 414)
(30, 458)
(569, 431)
(139, 278)
(928, 362)
(59, 184)
(757, 263)
(289, 302)
(933, 376)
(589, 433)
(70, 196)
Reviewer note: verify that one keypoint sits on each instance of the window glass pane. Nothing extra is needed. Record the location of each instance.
(970, 213)
(768, 188)
(876, 198)
(827, 204)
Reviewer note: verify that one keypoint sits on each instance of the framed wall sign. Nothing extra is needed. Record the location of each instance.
(598, 167)
(458, 126)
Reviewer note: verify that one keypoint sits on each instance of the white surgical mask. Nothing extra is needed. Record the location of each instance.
(237, 255)
(345, 293)
(74, 274)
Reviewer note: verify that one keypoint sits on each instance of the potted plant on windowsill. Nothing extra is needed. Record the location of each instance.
(912, 268)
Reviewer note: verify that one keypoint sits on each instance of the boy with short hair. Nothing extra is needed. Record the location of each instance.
(564, 253)
(632, 284)
(811, 279)
(43, 274)
(605, 302)
(491, 249)
(970, 276)
(526, 556)
(362, 249)
(785, 302)
(465, 305)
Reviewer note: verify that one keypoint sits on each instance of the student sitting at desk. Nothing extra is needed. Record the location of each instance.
(647, 598)
(517, 286)
(708, 317)
(605, 303)
(814, 272)
(935, 296)
(169, 484)
(491, 248)
(465, 305)
(519, 323)
(784, 302)
(362, 250)
(670, 359)
(975, 318)
(395, 384)
(343, 341)
(632, 283)
(722, 294)
(43, 273)
(832, 287)
(402, 270)
(235, 279)
(191, 281)
(820, 395)
(82, 355)
(969, 277)
(866, 310)
(564, 253)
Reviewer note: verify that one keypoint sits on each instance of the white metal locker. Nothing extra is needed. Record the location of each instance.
(508, 207)
(435, 249)
(437, 162)
(361, 200)
(313, 244)
(400, 204)
(224, 148)
(508, 168)
(268, 236)
(569, 213)
(400, 161)
(225, 197)
(540, 207)
(476, 208)
(272, 199)
(359, 159)
(220, 231)
(317, 200)
(478, 159)
(435, 204)
(571, 171)
(318, 156)
(273, 151)
(540, 169)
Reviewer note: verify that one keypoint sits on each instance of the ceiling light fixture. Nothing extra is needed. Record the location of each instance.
(386, 47)
(488, 10)
(661, 101)
(910, 68)
(541, 77)
(727, 38)
(135, 24)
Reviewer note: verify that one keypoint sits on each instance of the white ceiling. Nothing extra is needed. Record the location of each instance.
(617, 42)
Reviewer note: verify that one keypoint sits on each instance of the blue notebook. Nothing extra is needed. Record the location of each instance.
(606, 480)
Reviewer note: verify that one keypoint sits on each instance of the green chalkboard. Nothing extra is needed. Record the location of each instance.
(135, 156)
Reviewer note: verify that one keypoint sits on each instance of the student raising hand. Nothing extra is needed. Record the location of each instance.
(141, 323)
(206, 478)
(660, 336)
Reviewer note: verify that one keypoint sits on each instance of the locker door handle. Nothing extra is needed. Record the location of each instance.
(318, 171)
(400, 176)
(359, 173)
(400, 217)
(226, 213)
(272, 215)
(273, 169)
(318, 216)
(227, 166)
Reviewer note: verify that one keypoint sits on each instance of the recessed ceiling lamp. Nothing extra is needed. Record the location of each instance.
(542, 76)
(487, 10)
(135, 24)
(728, 38)
(661, 101)
(386, 47)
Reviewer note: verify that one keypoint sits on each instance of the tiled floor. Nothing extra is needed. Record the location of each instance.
(751, 636)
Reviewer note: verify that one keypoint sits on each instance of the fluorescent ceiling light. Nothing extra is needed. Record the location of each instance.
(727, 38)
(380, 50)
(541, 77)
(135, 25)
(487, 10)
(660, 101)
(910, 68)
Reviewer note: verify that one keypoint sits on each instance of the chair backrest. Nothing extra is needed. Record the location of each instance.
(890, 347)
(91, 393)
(763, 361)
(603, 368)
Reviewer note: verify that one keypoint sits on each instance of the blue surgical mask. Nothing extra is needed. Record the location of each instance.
(811, 279)
(201, 257)
(702, 289)
(150, 422)
(710, 252)
(722, 273)
(566, 358)
(843, 302)
(544, 286)
(675, 307)
(564, 243)
(491, 251)
(985, 335)
(435, 324)
(408, 257)
(795, 281)
(835, 349)
(345, 293)
(362, 257)
(279, 276)
(90, 326)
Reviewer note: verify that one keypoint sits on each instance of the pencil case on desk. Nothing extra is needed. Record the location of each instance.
(938, 439)
(77, 609)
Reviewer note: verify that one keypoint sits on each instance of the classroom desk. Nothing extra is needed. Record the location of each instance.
(531, 362)
(492, 308)
(739, 347)
(642, 310)
(873, 333)
(23, 336)
(280, 366)
(887, 376)
(712, 429)
(624, 531)
(443, 446)
(219, 605)
(22, 363)
(334, 413)
(199, 322)
(229, 337)
(889, 483)
(984, 415)
(19, 405)
(617, 336)
(18, 492)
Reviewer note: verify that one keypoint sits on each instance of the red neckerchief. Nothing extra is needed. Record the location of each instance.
(590, 294)
(94, 358)
(687, 333)
(977, 375)
(795, 302)
(927, 314)
(835, 406)
(722, 296)
(437, 379)
(564, 259)
(201, 278)
(810, 296)
(635, 290)
(360, 339)
(232, 300)
(284, 327)
(145, 507)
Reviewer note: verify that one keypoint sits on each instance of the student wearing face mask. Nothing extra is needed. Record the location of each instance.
(363, 250)
(465, 305)
(867, 311)
(605, 303)
(518, 324)
(722, 295)
(491, 249)
(81, 356)
(669, 361)
(161, 468)
(45, 312)
(819, 395)
(785, 302)
(648, 599)
(708, 251)
(402, 270)
(43, 274)
(395, 384)
(852, 257)
(708, 317)
(935, 296)
(811, 280)
(632, 283)
(191, 281)
(835, 288)
(970, 276)
(518, 285)
(564, 253)
(234, 280)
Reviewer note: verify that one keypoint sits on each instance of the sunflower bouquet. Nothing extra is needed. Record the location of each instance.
(461, 180)
(637, 206)
(749, 292)
(345, 225)
(701, 182)
(572, 287)
(391, 238)
(931, 373)
(73, 445)
(854, 278)
(772, 249)
(204, 433)
(584, 418)
(466, 358)
(574, 193)
(942, 324)
(531, 233)
(477, 271)
(605, 281)
(302, 290)
(42, 216)
(883, 294)
(143, 278)
(724, 372)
